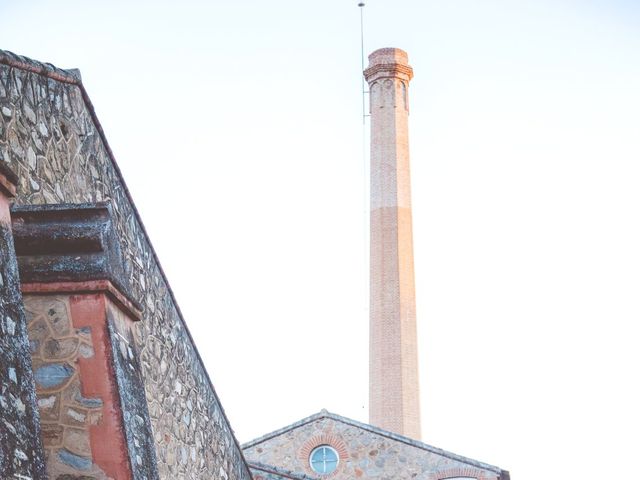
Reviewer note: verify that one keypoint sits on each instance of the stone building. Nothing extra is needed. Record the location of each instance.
(114, 386)
(99, 376)
(356, 450)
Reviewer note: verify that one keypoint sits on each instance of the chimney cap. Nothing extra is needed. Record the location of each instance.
(388, 63)
(388, 55)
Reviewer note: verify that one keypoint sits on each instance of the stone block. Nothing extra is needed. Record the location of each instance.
(49, 406)
(52, 434)
(72, 460)
(53, 376)
(74, 416)
(76, 440)
(55, 349)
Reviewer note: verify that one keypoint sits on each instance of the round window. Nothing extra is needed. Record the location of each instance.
(323, 459)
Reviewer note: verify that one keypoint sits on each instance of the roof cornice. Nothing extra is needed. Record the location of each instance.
(45, 69)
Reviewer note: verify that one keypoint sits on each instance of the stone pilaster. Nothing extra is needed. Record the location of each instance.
(394, 402)
(85, 356)
(21, 454)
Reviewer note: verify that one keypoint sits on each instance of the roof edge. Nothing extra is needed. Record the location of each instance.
(263, 467)
(378, 431)
(316, 416)
(11, 59)
(73, 77)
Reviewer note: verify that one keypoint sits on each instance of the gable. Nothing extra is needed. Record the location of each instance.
(364, 452)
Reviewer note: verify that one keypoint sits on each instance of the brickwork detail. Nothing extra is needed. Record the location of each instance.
(456, 473)
(49, 137)
(394, 400)
(330, 439)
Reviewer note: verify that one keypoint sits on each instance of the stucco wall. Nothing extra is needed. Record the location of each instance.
(49, 138)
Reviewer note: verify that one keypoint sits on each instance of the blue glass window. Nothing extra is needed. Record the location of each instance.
(323, 459)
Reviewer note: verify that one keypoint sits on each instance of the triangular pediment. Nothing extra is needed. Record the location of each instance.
(364, 451)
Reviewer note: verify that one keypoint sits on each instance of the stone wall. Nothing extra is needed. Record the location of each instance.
(66, 415)
(21, 454)
(49, 135)
(126, 361)
(269, 472)
(364, 452)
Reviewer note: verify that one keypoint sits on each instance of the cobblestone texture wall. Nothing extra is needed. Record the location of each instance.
(21, 454)
(269, 472)
(48, 136)
(56, 346)
(363, 454)
(260, 475)
(126, 361)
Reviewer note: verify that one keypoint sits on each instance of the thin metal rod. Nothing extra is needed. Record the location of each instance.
(361, 5)
(365, 172)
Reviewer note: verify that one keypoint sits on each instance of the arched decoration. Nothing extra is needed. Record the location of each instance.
(405, 100)
(312, 443)
(465, 473)
(374, 91)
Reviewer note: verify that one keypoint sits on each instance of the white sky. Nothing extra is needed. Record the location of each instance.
(238, 122)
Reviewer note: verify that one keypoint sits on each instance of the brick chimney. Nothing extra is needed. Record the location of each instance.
(394, 402)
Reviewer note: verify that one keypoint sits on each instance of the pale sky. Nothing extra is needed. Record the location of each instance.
(237, 127)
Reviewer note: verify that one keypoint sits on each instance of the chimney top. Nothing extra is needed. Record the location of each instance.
(388, 62)
(388, 55)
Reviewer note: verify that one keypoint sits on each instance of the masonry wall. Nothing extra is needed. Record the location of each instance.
(269, 472)
(363, 454)
(49, 137)
(21, 454)
(58, 347)
(83, 355)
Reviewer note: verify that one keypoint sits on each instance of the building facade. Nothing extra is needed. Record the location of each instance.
(361, 450)
(99, 376)
(52, 142)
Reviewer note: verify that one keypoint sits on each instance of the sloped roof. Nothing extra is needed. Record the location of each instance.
(281, 472)
(378, 431)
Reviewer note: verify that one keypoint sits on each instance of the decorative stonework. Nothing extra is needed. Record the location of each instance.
(455, 473)
(126, 364)
(67, 415)
(72, 249)
(50, 136)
